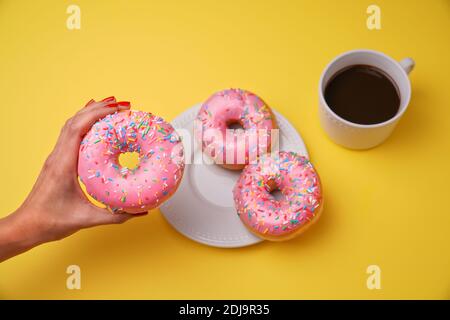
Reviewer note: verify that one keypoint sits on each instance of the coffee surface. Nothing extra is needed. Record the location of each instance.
(362, 94)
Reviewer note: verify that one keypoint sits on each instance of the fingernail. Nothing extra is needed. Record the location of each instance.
(112, 105)
(89, 102)
(124, 103)
(140, 214)
(112, 98)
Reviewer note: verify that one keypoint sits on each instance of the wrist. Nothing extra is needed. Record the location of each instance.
(18, 233)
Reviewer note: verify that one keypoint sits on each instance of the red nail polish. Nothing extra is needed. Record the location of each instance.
(124, 103)
(109, 99)
(112, 105)
(89, 102)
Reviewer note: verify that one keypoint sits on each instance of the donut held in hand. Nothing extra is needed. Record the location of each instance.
(154, 179)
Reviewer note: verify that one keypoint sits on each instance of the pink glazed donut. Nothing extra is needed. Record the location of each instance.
(224, 109)
(155, 178)
(301, 202)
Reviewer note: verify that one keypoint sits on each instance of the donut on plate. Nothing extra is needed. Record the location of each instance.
(234, 127)
(301, 196)
(140, 189)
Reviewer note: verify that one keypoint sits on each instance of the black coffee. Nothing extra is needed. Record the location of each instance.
(362, 94)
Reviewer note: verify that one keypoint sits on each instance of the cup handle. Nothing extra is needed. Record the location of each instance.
(407, 64)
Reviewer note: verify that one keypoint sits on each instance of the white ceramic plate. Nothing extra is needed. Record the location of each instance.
(202, 209)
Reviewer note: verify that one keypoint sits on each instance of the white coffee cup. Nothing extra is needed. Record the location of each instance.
(360, 136)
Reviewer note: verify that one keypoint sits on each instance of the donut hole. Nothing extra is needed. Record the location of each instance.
(274, 190)
(277, 194)
(235, 125)
(129, 160)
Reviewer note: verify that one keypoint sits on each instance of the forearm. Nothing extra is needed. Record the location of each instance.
(17, 235)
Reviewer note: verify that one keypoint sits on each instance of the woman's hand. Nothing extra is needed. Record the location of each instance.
(56, 206)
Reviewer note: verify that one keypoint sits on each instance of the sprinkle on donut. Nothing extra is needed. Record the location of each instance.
(139, 189)
(301, 201)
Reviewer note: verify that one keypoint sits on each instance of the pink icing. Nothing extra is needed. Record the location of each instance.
(160, 165)
(238, 146)
(299, 184)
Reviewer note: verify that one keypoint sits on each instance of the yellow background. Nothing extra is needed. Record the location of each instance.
(386, 206)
